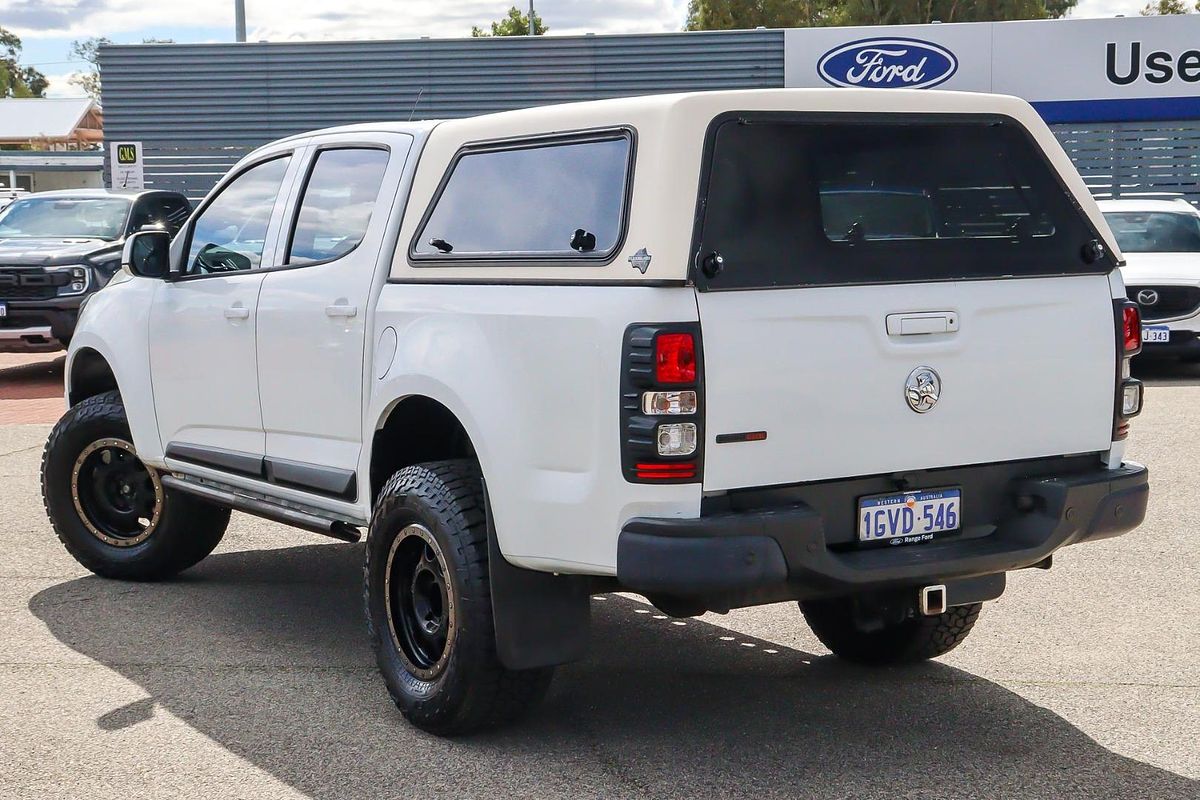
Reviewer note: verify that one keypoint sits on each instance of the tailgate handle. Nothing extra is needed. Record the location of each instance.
(922, 322)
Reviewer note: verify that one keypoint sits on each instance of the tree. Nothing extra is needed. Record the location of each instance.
(1163, 8)
(15, 80)
(723, 15)
(729, 14)
(89, 50)
(514, 24)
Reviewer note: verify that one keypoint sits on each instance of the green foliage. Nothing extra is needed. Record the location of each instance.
(514, 24)
(738, 14)
(1163, 8)
(722, 15)
(15, 80)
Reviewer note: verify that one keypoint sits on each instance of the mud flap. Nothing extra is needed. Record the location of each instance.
(541, 619)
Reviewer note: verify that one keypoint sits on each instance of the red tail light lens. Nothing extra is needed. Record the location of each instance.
(1132, 329)
(675, 358)
(672, 471)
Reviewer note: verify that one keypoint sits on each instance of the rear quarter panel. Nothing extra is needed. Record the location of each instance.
(533, 374)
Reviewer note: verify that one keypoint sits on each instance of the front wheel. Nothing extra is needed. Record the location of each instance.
(110, 510)
(914, 639)
(429, 608)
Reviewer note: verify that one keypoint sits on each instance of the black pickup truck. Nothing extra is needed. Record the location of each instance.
(56, 248)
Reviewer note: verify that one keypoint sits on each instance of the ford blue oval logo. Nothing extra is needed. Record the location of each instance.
(891, 63)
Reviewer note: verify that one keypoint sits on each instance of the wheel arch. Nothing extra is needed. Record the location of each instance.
(415, 429)
(89, 374)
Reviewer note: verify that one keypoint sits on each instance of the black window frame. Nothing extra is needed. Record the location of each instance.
(598, 259)
(703, 283)
(309, 168)
(198, 212)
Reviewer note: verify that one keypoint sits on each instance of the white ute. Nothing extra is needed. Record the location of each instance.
(864, 350)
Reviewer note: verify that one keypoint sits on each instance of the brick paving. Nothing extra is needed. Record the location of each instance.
(31, 390)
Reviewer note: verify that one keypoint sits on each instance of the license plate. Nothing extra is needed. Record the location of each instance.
(909, 517)
(1156, 333)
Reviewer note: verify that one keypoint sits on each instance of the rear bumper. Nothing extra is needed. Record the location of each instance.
(746, 557)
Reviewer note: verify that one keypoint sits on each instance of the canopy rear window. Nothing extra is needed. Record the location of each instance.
(801, 200)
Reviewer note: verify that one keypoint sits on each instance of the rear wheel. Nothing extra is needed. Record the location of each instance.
(892, 642)
(109, 509)
(429, 608)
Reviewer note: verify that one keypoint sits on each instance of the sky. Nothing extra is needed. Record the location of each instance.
(47, 27)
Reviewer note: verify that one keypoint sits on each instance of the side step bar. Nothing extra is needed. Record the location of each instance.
(309, 520)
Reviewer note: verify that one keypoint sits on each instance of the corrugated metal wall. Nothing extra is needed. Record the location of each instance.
(1129, 158)
(199, 108)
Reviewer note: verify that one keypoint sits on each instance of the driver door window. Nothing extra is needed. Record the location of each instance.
(230, 234)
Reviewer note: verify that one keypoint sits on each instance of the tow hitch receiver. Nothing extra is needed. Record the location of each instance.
(933, 600)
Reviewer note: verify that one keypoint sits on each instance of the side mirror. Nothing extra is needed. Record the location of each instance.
(147, 254)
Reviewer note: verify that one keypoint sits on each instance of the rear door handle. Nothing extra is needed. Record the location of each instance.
(922, 322)
(237, 312)
(341, 311)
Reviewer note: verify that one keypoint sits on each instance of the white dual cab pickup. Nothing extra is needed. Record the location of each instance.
(864, 350)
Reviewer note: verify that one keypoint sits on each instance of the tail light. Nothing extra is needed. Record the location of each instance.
(662, 404)
(1128, 402)
(1131, 329)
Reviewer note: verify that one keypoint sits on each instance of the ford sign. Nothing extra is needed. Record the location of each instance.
(890, 63)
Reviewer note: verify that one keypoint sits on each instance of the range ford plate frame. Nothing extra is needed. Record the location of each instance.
(909, 517)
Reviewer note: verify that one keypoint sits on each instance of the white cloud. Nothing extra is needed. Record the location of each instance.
(61, 86)
(1107, 8)
(318, 19)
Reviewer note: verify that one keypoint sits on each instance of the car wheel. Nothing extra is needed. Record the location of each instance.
(110, 510)
(914, 639)
(428, 603)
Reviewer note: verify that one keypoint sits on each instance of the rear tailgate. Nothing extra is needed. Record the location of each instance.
(1028, 373)
(896, 294)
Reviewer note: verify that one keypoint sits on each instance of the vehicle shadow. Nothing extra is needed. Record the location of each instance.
(31, 377)
(264, 653)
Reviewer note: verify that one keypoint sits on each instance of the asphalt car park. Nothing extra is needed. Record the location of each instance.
(250, 676)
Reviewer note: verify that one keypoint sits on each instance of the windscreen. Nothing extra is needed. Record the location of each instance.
(795, 201)
(65, 217)
(1155, 231)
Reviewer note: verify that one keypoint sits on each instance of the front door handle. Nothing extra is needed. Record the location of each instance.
(341, 311)
(237, 312)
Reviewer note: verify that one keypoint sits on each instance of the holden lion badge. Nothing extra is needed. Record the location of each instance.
(640, 260)
(922, 389)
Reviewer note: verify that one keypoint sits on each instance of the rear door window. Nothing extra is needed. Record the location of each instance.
(797, 201)
(338, 200)
(562, 200)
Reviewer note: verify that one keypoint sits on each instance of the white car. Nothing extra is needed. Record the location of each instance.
(1161, 243)
(865, 350)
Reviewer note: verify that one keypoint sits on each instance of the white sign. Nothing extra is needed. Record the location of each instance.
(125, 165)
(1072, 70)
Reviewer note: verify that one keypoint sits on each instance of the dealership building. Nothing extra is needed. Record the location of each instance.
(1122, 94)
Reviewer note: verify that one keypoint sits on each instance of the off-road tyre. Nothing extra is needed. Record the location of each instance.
(186, 530)
(437, 508)
(915, 639)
